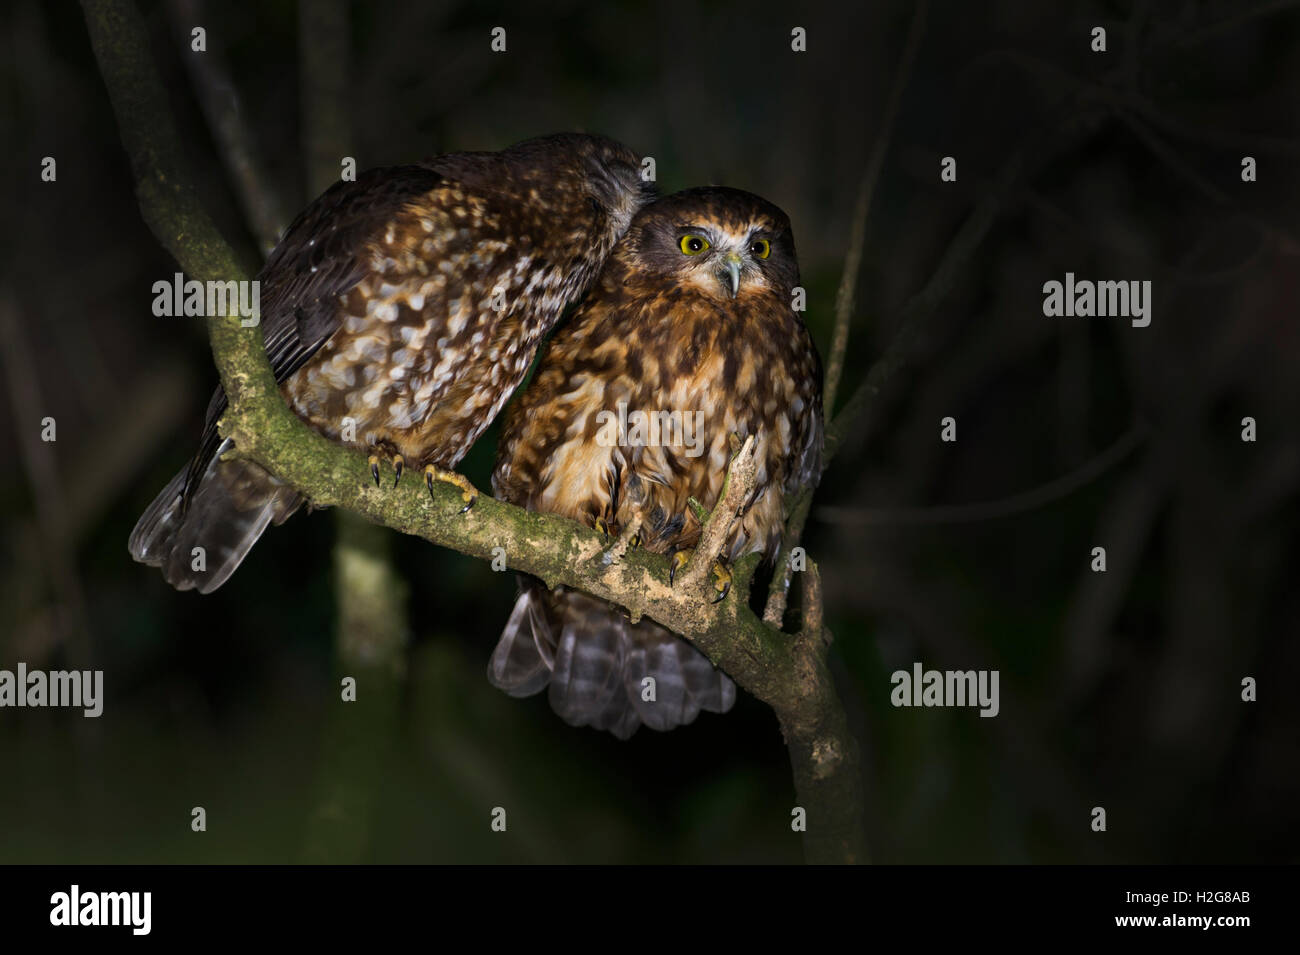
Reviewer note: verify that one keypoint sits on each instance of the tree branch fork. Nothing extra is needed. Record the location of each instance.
(789, 672)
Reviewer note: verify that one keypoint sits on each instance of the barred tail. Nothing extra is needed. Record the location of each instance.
(603, 670)
(231, 505)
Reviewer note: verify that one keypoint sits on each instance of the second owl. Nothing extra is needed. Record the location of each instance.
(690, 324)
(400, 310)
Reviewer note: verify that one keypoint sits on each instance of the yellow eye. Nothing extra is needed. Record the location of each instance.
(693, 244)
(760, 248)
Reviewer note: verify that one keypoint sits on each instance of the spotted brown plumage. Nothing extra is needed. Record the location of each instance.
(399, 312)
(691, 314)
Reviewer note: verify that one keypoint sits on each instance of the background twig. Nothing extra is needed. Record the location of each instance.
(219, 99)
(774, 610)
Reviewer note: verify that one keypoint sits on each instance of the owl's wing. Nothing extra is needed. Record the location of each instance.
(810, 428)
(322, 255)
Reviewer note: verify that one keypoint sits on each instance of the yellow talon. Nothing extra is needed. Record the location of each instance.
(721, 575)
(679, 560)
(469, 493)
(721, 581)
(399, 464)
(374, 468)
(602, 528)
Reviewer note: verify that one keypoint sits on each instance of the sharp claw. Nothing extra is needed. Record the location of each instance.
(374, 469)
(721, 575)
(469, 494)
(676, 562)
(398, 465)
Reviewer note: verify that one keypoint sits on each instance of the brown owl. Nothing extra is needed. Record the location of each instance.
(687, 339)
(399, 312)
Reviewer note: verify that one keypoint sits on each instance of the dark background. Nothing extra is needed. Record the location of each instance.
(1119, 690)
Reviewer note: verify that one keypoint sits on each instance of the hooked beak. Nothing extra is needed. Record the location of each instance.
(731, 272)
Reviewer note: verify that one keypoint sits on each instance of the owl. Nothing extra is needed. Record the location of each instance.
(687, 342)
(399, 312)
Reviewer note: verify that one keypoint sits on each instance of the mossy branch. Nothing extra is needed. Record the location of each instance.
(788, 672)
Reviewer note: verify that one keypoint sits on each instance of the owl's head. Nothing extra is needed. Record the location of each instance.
(724, 243)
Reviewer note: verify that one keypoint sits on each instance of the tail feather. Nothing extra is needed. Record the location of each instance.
(158, 523)
(586, 683)
(685, 683)
(231, 505)
(602, 670)
(525, 655)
